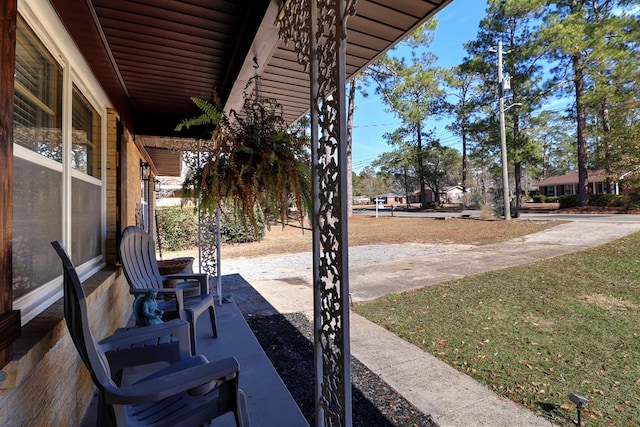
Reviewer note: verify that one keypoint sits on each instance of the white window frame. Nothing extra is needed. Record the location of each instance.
(44, 22)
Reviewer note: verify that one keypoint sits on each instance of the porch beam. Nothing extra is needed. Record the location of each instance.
(9, 319)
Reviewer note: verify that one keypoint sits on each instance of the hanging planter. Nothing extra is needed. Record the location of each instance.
(253, 161)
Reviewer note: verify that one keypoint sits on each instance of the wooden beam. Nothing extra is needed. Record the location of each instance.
(9, 321)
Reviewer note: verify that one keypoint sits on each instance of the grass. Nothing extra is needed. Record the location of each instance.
(536, 333)
(364, 230)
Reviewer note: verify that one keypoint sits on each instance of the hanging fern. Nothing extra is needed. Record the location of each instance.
(210, 114)
(254, 160)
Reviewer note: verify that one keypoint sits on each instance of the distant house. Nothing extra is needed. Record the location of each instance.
(390, 199)
(448, 194)
(361, 200)
(416, 196)
(568, 184)
(452, 194)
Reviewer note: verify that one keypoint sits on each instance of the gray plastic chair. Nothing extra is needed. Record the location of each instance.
(190, 392)
(138, 256)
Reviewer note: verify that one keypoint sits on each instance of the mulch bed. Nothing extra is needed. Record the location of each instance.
(287, 340)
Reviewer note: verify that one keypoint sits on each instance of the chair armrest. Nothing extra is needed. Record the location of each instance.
(130, 337)
(161, 387)
(202, 278)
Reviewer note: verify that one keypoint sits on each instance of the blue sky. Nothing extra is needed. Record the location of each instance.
(457, 24)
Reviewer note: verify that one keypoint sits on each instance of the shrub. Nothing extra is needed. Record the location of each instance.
(633, 203)
(568, 201)
(234, 229)
(178, 228)
(539, 198)
(615, 200)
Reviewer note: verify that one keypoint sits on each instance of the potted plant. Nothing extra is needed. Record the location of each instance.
(254, 161)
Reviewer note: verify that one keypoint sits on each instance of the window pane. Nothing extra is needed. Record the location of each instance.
(86, 211)
(85, 156)
(38, 96)
(37, 221)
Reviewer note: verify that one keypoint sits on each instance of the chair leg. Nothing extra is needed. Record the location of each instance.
(214, 321)
(192, 330)
(241, 412)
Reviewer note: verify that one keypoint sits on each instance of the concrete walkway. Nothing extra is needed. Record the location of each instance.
(434, 387)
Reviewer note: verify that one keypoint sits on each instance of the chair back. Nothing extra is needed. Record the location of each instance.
(138, 257)
(76, 317)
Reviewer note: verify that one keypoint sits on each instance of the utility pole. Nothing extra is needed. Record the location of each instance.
(503, 135)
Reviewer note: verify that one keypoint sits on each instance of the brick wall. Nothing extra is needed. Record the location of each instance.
(113, 212)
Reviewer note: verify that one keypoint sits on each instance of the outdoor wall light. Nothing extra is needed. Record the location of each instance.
(145, 171)
(578, 401)
(156, 185)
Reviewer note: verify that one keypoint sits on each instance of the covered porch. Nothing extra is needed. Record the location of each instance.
(123, 73)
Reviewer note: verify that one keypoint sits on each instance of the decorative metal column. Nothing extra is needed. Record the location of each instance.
(209, 248)
(317, 29)
(208, 224)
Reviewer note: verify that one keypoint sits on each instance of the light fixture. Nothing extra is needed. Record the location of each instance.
(579, 401)
(145, 171)
(506, 82)
(156, 185)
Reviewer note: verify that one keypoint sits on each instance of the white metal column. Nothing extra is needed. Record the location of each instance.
(317, 28)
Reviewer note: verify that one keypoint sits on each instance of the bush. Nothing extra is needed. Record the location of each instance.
(568, 201)
(234, 230)
(178, 228)
(615, 200)
(539, 198)
(633, 203)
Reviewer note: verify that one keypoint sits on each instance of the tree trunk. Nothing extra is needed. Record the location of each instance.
(407, 190)
(420, 161)
(517, 177)
(606, 143)
(517, 164)
(464, 160)
(581, 116)
(350, 111)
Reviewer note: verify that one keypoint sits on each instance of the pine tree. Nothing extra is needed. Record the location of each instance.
(411, 89)
(513, 23)
(576, 35)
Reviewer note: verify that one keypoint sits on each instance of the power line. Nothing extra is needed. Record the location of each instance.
(377, 124)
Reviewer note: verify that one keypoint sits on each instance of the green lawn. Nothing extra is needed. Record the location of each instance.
(538, 332)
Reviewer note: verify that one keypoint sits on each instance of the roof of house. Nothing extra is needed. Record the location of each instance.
(572, 178)
(449, 188)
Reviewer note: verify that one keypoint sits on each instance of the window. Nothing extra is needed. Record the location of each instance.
(58, 163)
(86, 206)
(85, 154)
(38, 97)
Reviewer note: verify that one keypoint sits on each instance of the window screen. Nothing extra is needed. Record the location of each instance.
(38, 96)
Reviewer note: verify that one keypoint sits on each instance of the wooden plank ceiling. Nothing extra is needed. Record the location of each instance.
(151, 56)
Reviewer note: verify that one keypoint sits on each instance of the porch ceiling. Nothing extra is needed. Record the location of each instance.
(151, 56)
